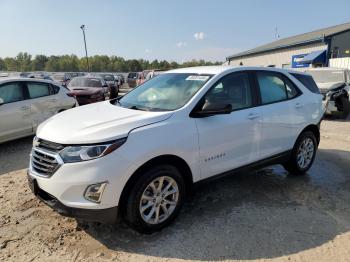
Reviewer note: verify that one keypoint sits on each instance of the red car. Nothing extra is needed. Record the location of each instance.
(87, 90)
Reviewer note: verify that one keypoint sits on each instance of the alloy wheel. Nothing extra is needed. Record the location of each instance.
(159, 200)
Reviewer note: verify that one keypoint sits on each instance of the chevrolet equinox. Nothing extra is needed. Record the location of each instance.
(137, 156)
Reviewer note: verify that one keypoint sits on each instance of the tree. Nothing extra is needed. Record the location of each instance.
(24, 61)
(11, 64)
(98, 63)
(39, 62)
(52, 65)
(2, 64)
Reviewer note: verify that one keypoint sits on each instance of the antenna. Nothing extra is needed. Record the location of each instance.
(276, 33)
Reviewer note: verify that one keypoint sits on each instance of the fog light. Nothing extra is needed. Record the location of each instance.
(94, 192)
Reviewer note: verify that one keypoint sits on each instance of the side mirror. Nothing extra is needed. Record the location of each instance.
(2, 101)
(210, 109)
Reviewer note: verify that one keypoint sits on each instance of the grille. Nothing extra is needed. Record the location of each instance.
(51, 146)
(44, 157)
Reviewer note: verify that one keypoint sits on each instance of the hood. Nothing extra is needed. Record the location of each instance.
(325, 87)
(96, 123)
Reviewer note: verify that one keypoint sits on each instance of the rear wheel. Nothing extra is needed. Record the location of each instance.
(155, 199)
(303, 154)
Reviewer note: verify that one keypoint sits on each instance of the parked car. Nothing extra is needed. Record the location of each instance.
(121, 77)
(133, 78)
(87, 90)
(334, 84)
(25, 103)
(62, 78)
(139, 156)
(113, 85)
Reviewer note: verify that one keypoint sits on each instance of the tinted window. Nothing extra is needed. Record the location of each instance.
(54, 89)
(272, 87)
(11, 92)
(308, 82)
(108, 77)
(232, 89)
(38, 89)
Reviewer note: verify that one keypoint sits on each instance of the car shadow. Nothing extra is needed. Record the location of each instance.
(257, 215)
(14, 155)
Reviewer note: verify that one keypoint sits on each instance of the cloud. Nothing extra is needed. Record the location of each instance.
(181, 44)
(147, 51)
(210, 54)
(199, 35)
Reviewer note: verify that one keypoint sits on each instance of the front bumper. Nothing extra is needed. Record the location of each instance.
(107, 215)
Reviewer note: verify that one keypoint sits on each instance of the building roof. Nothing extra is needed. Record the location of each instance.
(314, 36)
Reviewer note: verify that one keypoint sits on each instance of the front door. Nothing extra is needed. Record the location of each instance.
(231, 140)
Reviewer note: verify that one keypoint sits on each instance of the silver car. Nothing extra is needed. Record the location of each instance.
(27, 102)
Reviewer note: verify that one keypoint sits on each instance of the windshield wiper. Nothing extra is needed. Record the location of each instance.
(137, 108)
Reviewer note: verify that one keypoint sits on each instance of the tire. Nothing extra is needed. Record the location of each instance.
(142, 195)
(303, 145)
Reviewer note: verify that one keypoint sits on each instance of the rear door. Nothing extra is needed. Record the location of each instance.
(231, 140)
(282, 112)
(15, 112)
(44, 102)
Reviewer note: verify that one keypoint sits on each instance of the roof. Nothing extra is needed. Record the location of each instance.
(213, 70)
(314, 36)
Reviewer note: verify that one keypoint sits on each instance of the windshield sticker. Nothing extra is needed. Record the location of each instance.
(197, 78)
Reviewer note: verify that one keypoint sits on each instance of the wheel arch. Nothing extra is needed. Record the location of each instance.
(173, 160)
(314, 129)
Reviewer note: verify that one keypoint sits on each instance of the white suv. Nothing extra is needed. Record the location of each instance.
(139, 155)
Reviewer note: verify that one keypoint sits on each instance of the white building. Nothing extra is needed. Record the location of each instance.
(325, 47)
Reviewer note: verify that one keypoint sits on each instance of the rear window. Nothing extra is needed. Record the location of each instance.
(108, 77)
(132, 75)
(308, 82)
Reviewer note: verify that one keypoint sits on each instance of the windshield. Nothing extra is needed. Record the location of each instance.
(327, 76)
(85, 82)
(165, 92)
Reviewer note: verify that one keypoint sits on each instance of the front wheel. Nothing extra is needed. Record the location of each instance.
(155, 199)
(303, 154)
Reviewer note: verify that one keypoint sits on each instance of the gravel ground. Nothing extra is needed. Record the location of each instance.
(264, 215)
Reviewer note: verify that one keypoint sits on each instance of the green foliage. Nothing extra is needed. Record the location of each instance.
(98, 63)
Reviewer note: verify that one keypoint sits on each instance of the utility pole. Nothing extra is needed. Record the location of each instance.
(86, 54)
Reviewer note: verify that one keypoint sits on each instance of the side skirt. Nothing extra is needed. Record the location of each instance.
(273, 160)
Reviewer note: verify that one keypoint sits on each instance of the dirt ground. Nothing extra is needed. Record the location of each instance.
(264, 215)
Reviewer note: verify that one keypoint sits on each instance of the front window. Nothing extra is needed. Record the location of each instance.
(85, 82)
(327, 76)
(164, 93)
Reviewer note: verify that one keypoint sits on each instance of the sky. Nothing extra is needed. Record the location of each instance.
(177, 30)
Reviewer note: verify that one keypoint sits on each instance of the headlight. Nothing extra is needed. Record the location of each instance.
(73, 154)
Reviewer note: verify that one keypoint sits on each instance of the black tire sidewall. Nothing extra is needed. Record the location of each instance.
(133, 216)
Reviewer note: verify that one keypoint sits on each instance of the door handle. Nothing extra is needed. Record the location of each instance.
(25, 108)
(298, 105)
(253, 116)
